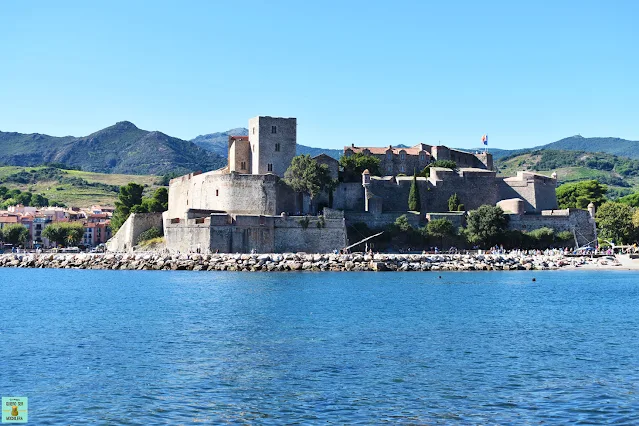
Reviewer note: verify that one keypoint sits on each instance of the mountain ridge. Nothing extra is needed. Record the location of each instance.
(218, 143)
(120, 148)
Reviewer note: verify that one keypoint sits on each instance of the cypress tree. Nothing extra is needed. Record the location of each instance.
(414, 203)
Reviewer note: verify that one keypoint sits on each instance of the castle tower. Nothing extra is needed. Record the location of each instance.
(366, 183)
(273, 144)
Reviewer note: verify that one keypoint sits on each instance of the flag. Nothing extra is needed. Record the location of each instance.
(484, 139)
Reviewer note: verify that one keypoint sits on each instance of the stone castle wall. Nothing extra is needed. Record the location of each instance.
(264, 142)
(263, 234)
(126, 237)
(380, 221)
(537, 191)
(239, 154)
(560, 220)
(232, 192)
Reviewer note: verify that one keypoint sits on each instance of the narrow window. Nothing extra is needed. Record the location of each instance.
(273, 129)
(243, 165)
(421, 157)
(217, 192)
(270, 167)
(389, 155)
(402, 169)
(277, 147)
(402, 156)
(253, 130)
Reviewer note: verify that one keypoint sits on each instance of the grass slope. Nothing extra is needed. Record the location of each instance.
(621, 174)
(73, 193)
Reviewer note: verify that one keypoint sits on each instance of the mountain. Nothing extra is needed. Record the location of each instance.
(218, 143)
(303, 149)
(614, 146)
(121, 148)
(621, 174)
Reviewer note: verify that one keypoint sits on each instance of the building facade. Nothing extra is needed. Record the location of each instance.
(400, 160)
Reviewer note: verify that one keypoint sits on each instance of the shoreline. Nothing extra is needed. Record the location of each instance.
(284, 262)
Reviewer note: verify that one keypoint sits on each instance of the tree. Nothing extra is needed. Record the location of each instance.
(579, 195)
(156, 204)
(632, 199)
(130, 195)
(543, 237)
(454, 203)
(614, 222)
(354, 165)
(38, 200)
(307, 175)
(635, 219)
(440, 228)
(64, 233)
(402, 224)
(414, 202)
(15, 234)
(486, 225)
(75, 232)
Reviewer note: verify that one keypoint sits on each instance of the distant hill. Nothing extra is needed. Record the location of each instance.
(218, 144)
(621, 174)
(614, 146)
(70, 187)
(121, 148)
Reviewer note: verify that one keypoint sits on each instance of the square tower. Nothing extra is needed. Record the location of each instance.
(273, 144)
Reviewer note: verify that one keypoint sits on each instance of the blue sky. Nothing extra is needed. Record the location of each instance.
(363, 72)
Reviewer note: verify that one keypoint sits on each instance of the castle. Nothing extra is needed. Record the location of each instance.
(401, 160)
(247, 207)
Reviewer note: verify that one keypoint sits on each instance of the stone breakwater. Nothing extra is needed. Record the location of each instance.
(293, 262)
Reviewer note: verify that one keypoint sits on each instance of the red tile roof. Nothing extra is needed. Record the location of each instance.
(8, 219)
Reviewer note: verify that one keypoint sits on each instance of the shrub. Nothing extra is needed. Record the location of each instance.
(150, 234)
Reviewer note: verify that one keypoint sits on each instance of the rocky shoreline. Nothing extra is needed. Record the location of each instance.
(300, 262)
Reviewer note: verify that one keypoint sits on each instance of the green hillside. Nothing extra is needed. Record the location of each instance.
(71, 188)
(614, 146)
(121, 148)
(621, 174)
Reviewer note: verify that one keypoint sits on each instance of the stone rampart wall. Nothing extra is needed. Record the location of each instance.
(349, 196)
(188, 237)
(262, 234)
(538, 192)
(383, 220)
(575, 219)
(126, 237)
(233, 193)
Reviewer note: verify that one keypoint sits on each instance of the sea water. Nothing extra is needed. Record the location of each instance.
(149, 347)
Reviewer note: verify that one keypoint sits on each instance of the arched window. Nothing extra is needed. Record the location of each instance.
(402, 155)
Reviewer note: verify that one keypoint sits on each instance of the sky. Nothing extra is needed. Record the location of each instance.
(363, 72)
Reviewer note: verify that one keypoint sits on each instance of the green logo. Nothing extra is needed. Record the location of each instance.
(15, 409)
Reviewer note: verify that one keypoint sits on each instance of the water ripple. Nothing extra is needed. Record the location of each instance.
(144, 347)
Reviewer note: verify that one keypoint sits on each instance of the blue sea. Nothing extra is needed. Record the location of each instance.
(155, 347)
